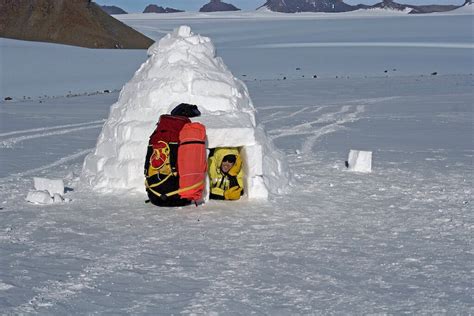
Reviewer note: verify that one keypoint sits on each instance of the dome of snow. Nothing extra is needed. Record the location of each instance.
(182, 68)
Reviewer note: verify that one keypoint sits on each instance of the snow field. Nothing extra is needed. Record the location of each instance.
(393, 241)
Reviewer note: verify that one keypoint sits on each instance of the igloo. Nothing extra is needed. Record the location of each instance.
(182, 68)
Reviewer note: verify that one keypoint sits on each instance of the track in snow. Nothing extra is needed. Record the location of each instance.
(315, 121)
(28, 134)
(59, 162)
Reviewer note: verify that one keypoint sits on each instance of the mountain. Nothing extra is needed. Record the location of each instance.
(391, 5)
(113, 9)
(71, 22)
(293, 6)
(153, 8)
(413, 9)
(432, 8)
(218, 5)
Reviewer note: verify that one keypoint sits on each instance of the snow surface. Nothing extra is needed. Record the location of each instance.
(394, 241)
(382, 11)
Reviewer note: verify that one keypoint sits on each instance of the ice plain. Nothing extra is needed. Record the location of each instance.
(397, 240)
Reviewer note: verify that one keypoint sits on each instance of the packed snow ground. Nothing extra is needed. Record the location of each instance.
(397, 240)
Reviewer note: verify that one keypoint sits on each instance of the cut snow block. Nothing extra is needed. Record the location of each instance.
(360, 161)
(51, 185)
(253, 158)
(256, 188)
(57, 198)
(39, 197)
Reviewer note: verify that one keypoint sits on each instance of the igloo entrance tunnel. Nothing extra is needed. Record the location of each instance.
(182, 68)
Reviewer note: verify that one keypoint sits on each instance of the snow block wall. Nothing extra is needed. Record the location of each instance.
(182, 68)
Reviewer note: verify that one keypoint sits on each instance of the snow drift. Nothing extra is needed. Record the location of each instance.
(182, 68)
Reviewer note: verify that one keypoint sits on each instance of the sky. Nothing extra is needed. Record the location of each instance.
(133, 6)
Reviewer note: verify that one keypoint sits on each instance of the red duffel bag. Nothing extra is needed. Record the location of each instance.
(192, 161)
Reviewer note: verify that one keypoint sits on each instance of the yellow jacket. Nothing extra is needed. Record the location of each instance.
(220, 182)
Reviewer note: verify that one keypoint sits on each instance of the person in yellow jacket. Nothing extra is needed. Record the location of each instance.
(226, 174)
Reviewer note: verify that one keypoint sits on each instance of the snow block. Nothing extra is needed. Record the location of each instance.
(360, 161)
(253, 157)
(182, 68)
(53, 186)
(57, 198)
(256, 188)
(39, 197)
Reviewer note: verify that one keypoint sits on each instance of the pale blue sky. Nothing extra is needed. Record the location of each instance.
(194, 5)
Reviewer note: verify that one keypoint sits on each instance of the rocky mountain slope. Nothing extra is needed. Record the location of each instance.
(72, 22)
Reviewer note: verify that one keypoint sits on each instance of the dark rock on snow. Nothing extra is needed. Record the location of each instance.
(292, 6)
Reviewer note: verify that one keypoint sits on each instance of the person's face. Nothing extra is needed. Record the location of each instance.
(226, 165)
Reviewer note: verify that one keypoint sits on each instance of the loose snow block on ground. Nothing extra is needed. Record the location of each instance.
(45, 197)
(360, 161)
(53, 186)
(182, 68)
(47, 191)
(39, 197)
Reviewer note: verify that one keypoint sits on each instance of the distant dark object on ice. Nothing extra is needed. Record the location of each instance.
(8, 99)
(153, 8)
(218, 5)
(434, 73)
(293, 6)
(111, 9)
(71, 22)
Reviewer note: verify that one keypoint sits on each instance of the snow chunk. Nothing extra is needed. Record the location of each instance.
(57, 198)
(47, 191)
(39, 197)
(5, 286)
(182, 68)
(53, 186)
(360, 161)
